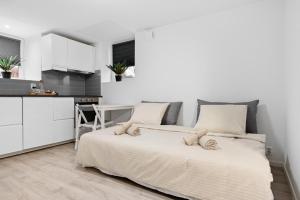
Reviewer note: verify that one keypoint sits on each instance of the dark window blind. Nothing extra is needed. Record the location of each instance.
(9, 46)
(124, 52)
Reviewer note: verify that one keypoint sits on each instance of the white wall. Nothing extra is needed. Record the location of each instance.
(103, 58)
(236, 55)
(32, 58)
(293, 92)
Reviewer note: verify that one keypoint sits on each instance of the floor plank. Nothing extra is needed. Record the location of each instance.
(53, 174)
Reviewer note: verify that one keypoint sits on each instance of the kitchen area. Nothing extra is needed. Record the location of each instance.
(40, 113)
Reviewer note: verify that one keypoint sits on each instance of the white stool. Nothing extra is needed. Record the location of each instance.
(99, 121)
(79, 116)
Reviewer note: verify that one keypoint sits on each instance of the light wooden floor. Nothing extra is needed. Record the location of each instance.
(52, 174)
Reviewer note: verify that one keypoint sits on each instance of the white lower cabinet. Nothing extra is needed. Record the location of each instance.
(47, 120)
(63, 108)
(63, 130)
(11, 139)
(10, 125)
(11, 111)
(37, 120)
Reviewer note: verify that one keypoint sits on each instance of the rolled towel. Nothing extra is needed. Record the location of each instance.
(208, 143)
(123, 128)
(190, 139)
(201, 132)
(133, 130)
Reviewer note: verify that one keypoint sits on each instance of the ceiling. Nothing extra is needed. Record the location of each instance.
(96, 20)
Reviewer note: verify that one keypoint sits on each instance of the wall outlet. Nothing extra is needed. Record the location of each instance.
(268, 151)
(32, 85)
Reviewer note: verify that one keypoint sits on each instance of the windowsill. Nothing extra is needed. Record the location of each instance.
(17, 79)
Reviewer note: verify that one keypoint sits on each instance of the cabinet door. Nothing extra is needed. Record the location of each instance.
(37, 121)
(76, 55)
(63, 130)
(11, 139)
(81, 57)
(63, 108)
(54, 52)
(91, 56)
(59, 51)
(11, 109)
(63, 119)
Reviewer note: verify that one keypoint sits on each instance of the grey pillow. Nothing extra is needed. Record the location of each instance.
(171, 114)
(251, 126)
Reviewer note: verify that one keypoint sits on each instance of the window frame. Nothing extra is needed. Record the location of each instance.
(22, 45)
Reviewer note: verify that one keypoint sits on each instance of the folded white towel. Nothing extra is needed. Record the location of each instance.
(200, 132)
(208, 143)
(200, 137)
(133, 130)
(194, 136)
(190, 139)
(122, 129)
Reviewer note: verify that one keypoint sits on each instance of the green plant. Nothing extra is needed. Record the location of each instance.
(118, 68)
(7, 63)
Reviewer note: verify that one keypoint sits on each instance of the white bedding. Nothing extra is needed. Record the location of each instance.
(159, 159)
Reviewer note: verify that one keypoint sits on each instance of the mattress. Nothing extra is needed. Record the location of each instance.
(159, 159)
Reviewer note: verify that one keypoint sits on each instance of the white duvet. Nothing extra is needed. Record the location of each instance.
(159, 159)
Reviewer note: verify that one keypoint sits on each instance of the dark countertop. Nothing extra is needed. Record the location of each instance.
(27, 95)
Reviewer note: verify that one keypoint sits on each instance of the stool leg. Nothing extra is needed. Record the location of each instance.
(102, 119)
(77, 131)
(95, 123)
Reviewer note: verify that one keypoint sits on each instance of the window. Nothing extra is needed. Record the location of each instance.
(10, 47)
(125, 53)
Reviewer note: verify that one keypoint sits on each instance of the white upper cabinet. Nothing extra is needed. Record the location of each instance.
(91, 59)
(81, 56)
(54, 52)
(60, 53)
(75, 55)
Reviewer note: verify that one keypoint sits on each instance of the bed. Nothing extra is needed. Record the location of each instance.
(159, 159)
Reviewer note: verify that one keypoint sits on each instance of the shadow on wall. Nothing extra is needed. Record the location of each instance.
(119, 115)
(180, 116)
(264, 126)
(263, 120)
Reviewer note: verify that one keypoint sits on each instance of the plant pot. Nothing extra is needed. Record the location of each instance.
(118, 78)
(6, 75)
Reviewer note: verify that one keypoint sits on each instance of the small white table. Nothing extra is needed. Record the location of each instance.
(100, 115)
(101, 109)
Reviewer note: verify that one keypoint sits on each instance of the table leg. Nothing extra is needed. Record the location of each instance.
(77, 124)
(102, 119)
(95, 123)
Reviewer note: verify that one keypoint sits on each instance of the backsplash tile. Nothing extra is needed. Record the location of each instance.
(93, 84)
(65, 83)
(15, 87)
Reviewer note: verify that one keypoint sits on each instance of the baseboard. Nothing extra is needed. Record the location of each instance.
(35, 149)
(276, 163)
(291, 183)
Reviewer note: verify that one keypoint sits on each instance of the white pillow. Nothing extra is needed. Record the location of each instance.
(223, 118)
(149, 113)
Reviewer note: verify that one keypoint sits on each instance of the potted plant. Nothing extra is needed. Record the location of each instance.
(118, 69)
(7, 63)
